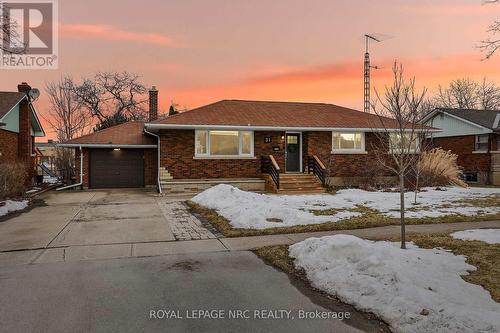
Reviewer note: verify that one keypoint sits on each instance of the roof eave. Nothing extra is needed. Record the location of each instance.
(154, 126)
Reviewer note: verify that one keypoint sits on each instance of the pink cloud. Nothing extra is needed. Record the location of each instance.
(109, 32)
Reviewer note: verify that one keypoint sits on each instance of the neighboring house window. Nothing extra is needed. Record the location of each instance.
(348, 142)
(410, 143)
(224, 143)
(482, 142)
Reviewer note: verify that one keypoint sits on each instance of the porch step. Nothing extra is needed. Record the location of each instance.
(318, 191)
(300, 184)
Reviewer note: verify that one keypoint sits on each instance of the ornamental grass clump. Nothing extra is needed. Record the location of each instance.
(439, 167)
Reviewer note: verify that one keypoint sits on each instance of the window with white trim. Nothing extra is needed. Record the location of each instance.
(481, 142)
(348, 142)
(395, 144)
(215, 143)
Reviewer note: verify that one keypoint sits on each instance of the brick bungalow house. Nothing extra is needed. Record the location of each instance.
(287, 146)
(474, 135)
(19, 126)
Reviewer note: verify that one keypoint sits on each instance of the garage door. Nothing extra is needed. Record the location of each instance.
(116, 168)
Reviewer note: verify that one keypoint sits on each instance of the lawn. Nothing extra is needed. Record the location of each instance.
(457, 298)
(230, 210)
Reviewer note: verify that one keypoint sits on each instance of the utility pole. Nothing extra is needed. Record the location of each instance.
(368, 67)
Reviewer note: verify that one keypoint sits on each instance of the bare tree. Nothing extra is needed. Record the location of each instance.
(398, 112)
(488, 95)
(113, 97)
(9, 28)
(490, 45)
(67, 118)
(468, 94)
(460, 93)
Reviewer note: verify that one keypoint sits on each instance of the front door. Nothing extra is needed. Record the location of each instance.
(293, 152)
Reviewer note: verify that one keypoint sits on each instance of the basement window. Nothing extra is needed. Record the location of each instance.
(470, 177)
(214, 143)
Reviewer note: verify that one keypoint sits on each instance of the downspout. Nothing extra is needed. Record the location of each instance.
(81, 174)
(158, 181)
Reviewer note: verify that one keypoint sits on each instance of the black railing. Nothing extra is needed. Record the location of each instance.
(317, 167)
(269, 166)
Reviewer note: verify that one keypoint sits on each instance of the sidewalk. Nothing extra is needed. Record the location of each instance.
(149, 249)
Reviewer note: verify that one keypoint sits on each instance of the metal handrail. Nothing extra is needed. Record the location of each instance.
(316, 166)
(272, 168)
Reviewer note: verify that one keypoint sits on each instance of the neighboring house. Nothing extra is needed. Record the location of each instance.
(19, 126)
(235, 142)
(474, 135)
(47, 158)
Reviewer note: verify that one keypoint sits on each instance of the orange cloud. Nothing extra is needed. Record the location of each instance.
(108, 32)
(339, 83)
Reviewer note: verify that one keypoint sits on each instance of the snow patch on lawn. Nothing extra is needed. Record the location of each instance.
(414, 290)
(253, 210)
(11, 206)
(490, 236)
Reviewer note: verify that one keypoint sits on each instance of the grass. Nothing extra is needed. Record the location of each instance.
(369, 218)
(485, 257)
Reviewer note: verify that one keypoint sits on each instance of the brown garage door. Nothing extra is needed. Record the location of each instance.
(116, 168)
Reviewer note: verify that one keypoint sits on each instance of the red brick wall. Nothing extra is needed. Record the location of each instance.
(150, 167)
(494, 141)
(25, 140)
(177, 155)
(8, 146)
(345, 165)
(463, 146)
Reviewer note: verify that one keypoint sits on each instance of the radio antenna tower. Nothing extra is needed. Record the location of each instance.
(368, 67)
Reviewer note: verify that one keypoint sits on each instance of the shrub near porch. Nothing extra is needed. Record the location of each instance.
(239, 213)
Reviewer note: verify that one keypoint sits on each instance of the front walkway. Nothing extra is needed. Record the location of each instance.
(183, 224)
(149, 249)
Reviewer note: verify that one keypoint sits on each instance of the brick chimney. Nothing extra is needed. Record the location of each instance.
(153, 104)
(24, 139)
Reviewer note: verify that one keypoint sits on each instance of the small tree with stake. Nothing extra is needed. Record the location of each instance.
(399, 136)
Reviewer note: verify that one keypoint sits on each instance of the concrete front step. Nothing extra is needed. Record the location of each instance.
(318, 191)
(299, 181)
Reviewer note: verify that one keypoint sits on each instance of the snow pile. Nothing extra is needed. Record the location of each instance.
(414, 290)
(11, 206)
(253, 210)
(490, 236)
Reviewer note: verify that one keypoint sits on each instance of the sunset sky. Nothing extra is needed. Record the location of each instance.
(197, 52)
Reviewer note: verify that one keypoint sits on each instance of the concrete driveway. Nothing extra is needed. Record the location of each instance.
(88, 218)
(118, 295)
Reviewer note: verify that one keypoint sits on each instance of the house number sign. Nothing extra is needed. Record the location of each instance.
(267, 139)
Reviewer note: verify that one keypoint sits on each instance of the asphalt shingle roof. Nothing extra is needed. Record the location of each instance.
(277, 114)
(130, 133)
(8, 100)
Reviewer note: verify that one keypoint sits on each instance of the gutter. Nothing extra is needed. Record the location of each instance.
(158, 181)
(81, 175)
(102, 145)
(155, 126)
